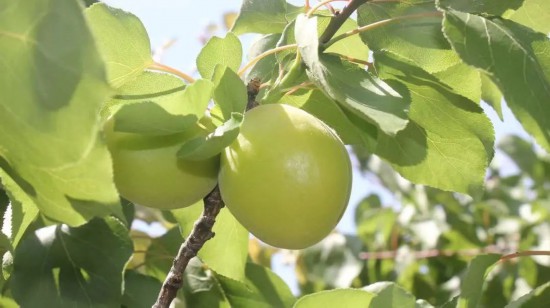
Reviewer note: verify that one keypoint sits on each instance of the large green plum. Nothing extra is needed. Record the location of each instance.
(287, 176)
(148, 172)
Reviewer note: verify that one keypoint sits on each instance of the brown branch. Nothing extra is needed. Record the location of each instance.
(525, 254)
(432, 253)
(338, 20)
(202, 232)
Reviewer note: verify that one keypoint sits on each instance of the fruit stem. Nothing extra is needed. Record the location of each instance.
(202, 232)
(319, 5)
(377, 24)
(165, 68)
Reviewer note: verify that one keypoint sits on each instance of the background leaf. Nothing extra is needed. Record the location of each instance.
(53, 94)
(225, 51)
(472, 284)
(64, 267)
(389, 294)
(113, 28)
(489, 45)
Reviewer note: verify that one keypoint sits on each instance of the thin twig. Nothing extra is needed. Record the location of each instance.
(202, 232)
(165, 68)
(525, 254)
(431, 253)
(263, 55)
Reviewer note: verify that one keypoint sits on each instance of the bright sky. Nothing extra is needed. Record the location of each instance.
(186, 20)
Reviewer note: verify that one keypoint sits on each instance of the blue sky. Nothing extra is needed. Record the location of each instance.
(185, 21)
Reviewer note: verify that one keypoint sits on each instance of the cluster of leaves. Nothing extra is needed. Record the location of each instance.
(66, 68)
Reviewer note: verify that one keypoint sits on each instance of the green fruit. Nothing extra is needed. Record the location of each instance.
(287, 176)
(148, 172)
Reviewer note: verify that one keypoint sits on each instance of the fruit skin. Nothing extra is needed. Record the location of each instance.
(287, 176)
(148, 172)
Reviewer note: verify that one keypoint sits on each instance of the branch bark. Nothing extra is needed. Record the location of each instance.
(202, 230)
(337, 21)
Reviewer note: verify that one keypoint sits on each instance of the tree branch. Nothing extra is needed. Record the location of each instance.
(337, 21)
(202, 230)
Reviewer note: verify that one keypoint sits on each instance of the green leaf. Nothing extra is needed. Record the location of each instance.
(516, 58)
(226, 254)
(220, 51)
(355, 89)
(336, 298)
(328, 111)
(161, 253)
(52, 96)
(139, 290)
(472, 285)
(122, 41)
(534, 14)
(262, 288)
(159, 104)
(20, 212)
(463, 80)
(7, 302)
(213, 144)
(491, 94)
(388, 294)
(419, 40)
(263, 16)
(539, 297)
(68, 267)
(491, 7)
(230, 91)
(448, 142)
(351, 46)
(201, 287)
(265, 70)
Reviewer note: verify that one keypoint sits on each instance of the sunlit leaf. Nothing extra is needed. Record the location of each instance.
(534, 14)
(225, 51)
(336, 298)
(355, 89)
(419, 40)
(389, 294)
(227, 252)
(53, 88)
(448, 142)
(492, 7)
(489, 44)
(263, 16)
(122, 41)
(213, 144)
(159, 104)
